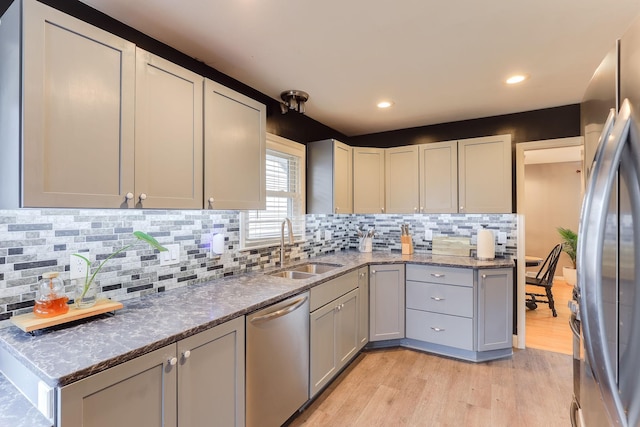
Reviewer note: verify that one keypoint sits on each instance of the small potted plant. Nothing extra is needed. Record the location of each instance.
(569, 246)
(86, 291)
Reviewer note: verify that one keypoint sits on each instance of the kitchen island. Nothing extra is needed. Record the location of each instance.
(63, 355)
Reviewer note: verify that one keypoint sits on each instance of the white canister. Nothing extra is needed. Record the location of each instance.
(486, 248)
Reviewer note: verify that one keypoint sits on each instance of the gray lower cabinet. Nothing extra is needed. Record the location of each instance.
(363, 314)
(461, 312)
(333, 326)
(386, 302)
(495, 309)
(190, 383)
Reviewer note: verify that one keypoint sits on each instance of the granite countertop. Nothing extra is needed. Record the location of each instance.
(65, 354)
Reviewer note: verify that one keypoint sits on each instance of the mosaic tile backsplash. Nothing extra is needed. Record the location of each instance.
(34, 241)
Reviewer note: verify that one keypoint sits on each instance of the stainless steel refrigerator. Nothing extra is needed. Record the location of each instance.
(607, 364)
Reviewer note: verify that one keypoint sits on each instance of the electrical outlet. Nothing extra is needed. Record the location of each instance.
(502, 238)
(428, 234)
(327, 235)
(171, 256)
(318, 235)
(78, 267)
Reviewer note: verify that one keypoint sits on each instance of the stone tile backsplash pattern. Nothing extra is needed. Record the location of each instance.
(34, 241)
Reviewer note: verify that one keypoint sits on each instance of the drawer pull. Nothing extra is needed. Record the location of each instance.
(438, 275)
(436, 329)
(438, 299)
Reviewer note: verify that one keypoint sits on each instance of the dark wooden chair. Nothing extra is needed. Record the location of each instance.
(544, 279)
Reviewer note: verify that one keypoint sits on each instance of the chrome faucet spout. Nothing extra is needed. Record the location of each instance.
(290, 231)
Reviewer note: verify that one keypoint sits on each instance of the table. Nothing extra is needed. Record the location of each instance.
(532, 261)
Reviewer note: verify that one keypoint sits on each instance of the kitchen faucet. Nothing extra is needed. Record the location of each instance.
(290, 229)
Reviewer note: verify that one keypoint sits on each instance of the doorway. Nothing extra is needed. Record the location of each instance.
(549, 195)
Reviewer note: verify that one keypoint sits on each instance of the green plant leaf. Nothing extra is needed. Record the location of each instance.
(84, 258)
(150, 240)
(569, 243)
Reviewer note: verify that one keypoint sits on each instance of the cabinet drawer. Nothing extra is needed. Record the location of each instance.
(452, 331)
(445, 299)
(334, 288)
(436, 274)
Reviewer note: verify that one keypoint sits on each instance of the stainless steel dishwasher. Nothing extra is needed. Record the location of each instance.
(277, 361)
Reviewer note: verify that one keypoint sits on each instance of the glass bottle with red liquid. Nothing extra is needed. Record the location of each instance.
(50, 300)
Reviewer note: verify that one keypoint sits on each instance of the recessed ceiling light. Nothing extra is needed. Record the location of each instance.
(517, 78)
(385, 104)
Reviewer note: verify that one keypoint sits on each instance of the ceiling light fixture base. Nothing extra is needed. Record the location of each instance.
(293, 100)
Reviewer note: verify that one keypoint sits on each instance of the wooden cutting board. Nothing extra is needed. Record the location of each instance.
(456, 246)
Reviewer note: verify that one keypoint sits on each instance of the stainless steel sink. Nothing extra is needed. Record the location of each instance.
(292, 274)
(315, 268)
(304, 271)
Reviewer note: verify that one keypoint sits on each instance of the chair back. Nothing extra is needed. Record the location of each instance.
(548, 268)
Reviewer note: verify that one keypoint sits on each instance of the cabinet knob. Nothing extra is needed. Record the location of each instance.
(129, 196)
(143, 196)
(415, 209)
(461, 208)
(173, 361)
(186, 354)
(373, 272)
(337, 209)
(210, 199)
(382, 209)
(362, 274)
(421, 208)
(484, 276)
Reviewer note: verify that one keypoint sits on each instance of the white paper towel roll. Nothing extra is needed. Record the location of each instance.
(486, 248)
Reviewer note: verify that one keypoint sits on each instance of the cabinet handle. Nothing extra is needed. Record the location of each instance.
(436, 329)
(186, 354)
(439, 275)
(337, 209)
(129, 196)
(143, 196)
(415, 209)
(438, 299)
(173, 361)
(421, 208)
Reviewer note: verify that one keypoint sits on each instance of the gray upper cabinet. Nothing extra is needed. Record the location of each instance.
(485, 178)
(401, 179)
(329, 177)
(368, 180)
(438, 164)
(234, 149)
(77, 105)
(168, 134)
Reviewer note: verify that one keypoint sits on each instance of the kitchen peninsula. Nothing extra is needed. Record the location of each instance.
(64, 356)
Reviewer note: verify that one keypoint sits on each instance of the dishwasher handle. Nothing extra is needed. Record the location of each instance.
(281, 312)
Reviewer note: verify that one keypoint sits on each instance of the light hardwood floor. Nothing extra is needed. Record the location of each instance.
(402, 387)
(543, 331)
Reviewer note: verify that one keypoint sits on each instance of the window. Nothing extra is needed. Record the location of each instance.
(285, 196)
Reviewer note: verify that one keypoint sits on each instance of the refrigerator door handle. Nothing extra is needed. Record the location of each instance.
(590, 255)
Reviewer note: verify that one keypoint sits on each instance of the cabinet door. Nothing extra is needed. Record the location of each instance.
(342, 178)
(323, 351)
(363, 314)
(368, 180)
(234, 149)
(438, 166)
(140, 392)
(78, 133)
(211, 377)
(495, 308)
(401, 179)
(386, 305)
(347, 327)
(168, 135)
(484, 168)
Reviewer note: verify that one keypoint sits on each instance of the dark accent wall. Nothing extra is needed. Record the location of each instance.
(549, 123)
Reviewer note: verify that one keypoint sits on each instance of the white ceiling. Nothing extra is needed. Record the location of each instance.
(438, 61)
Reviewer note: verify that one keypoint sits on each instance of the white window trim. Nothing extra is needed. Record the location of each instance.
(284, 145)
